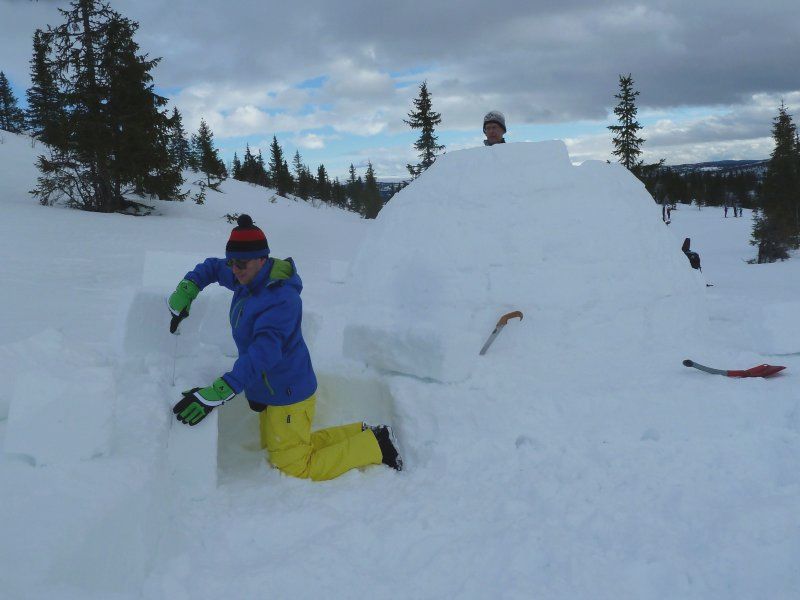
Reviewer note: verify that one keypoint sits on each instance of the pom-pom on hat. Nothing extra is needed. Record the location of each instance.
(246, 241)
(494, 116)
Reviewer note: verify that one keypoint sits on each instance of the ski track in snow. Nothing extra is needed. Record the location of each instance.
(578, 459)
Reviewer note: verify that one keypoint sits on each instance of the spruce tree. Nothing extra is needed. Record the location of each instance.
(261, 177)
(423, 117)
(353, 187)
(12, 119)
(287, 182)
(113, 136)
(46, 115)
(627, 143)
(279, 174)
(179, 148)
(249, 170)
(297, 163)
(304, 180)
(206, 156)
(338, 194)
(323, 187)
(777, 226)
(276, 165)
(371, 198)
(236, 167)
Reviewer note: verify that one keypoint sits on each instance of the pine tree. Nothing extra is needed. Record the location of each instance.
(627, 143)
(12, 119)
(46, 115)
(372, 201)
(105, 127)
(777, 227)
(423, 117)
(206, 156)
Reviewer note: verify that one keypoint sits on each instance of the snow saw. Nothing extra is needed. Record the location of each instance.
(499, 327)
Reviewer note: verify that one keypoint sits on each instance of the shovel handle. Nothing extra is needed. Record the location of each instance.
(512, 315)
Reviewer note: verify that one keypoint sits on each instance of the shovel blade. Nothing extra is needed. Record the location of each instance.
(759, 371)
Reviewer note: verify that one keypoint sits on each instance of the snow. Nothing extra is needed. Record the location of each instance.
(63, 430)
(577, 459)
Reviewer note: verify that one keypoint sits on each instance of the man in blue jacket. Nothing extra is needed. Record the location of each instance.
(274, 366)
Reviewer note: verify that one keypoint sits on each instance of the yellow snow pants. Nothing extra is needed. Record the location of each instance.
(324, 454)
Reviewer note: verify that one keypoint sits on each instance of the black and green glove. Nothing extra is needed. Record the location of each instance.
(198, 403)
(181, 301)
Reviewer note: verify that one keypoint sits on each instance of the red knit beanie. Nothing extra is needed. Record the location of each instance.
(247, 240)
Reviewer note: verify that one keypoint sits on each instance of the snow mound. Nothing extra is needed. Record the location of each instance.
(578, 249)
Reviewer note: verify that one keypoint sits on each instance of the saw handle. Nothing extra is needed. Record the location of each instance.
(512, 315)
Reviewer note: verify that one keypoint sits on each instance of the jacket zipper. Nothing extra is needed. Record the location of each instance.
(266, 382)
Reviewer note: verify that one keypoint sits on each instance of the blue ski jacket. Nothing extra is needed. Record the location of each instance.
(274, 365)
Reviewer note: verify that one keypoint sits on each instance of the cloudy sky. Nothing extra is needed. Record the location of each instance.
(336, 79)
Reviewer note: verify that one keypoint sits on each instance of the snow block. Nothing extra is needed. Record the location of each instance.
(350, 398)
(57, 420)
(312, 325)
(148, 318)
(338, 271)
(192, 456)
(165, 270)
(400, 349)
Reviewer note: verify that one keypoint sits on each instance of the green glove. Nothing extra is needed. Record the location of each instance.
(181, 301)
(197, 403)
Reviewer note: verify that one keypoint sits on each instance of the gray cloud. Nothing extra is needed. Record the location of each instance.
(543, 61)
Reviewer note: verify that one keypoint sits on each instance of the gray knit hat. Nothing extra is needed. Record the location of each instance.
(494, 116)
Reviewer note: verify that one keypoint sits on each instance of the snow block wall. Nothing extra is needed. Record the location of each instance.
(433, 276)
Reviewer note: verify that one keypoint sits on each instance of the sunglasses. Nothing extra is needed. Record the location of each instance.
(238, 263)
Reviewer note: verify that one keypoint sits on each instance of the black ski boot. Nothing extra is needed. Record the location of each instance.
(388, 445)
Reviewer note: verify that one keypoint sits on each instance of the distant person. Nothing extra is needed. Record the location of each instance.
(726, 211)
(274, 366)
(494, 127)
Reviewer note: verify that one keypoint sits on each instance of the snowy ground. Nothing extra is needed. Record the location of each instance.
(577, 459)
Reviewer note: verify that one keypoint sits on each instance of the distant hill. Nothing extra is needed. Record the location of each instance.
(388, 188)
(723, 167)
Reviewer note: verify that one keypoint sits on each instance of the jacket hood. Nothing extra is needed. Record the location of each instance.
(284, 272)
